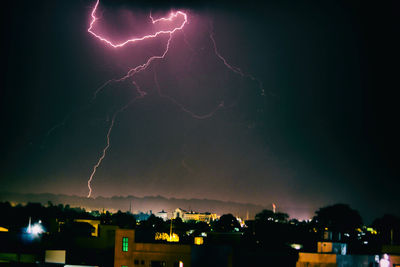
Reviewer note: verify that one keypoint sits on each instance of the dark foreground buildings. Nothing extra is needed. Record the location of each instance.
(78, 239)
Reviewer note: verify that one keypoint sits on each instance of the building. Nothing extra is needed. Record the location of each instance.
(178, 213)
(332, 247)
(128, 253)
(333, 260)
(94, 223)
(333, 254)
(194, 216)
(162, 214)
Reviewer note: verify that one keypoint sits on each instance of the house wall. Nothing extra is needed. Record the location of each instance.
(143, 254)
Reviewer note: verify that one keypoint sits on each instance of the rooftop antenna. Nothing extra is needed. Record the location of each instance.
(170, 231)
(130, 206)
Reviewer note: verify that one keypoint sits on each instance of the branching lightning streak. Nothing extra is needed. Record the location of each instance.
(196, 116)
(102, 155)
(136, 69)
(132, 40)
(105, 149)
(130, 73)
(133, 71)
(142, 67)
(233, 68)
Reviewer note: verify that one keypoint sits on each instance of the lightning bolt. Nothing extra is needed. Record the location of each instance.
(131, 72)
(171, 17)
(182, 107)
(139, 68)
(105, 149)
(233, 68)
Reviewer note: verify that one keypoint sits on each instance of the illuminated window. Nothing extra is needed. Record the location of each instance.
(198, 240)
(124, 244)
(178, 264)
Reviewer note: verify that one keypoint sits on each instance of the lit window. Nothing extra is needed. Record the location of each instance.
(198, 240)
(178, 264)
(124, 244)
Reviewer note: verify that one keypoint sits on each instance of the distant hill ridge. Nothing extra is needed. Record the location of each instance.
(137, 204)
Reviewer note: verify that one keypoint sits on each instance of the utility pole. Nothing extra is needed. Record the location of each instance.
(170, 231)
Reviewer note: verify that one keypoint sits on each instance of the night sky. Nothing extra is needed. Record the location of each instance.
(321, 130)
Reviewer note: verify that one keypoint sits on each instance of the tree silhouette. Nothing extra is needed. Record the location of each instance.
(123, 220)
(226, 223)
(269, 215)
(338, 217)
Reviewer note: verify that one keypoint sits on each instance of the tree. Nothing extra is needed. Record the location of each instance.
(124, 220)
(269, 215)
(338, 217)
(226, 223)
(153, 223)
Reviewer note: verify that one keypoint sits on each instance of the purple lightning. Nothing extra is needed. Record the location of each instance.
(139, 68)
(105, 149)
(233, 68)
(131, 72)
(194, 115)
(171, 17)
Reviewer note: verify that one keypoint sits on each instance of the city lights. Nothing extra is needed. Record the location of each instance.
(35, 230)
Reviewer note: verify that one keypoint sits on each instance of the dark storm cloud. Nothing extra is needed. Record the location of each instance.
(324, 132)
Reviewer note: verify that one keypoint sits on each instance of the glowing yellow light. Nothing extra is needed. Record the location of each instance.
(198, 240)
(2, 229)
(372, 230)
(161, 236)
(173, 238)
(164, 236)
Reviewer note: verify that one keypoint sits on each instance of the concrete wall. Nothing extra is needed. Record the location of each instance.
(316, 260)
(122, 258)
(331, 260)
(147, 252)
